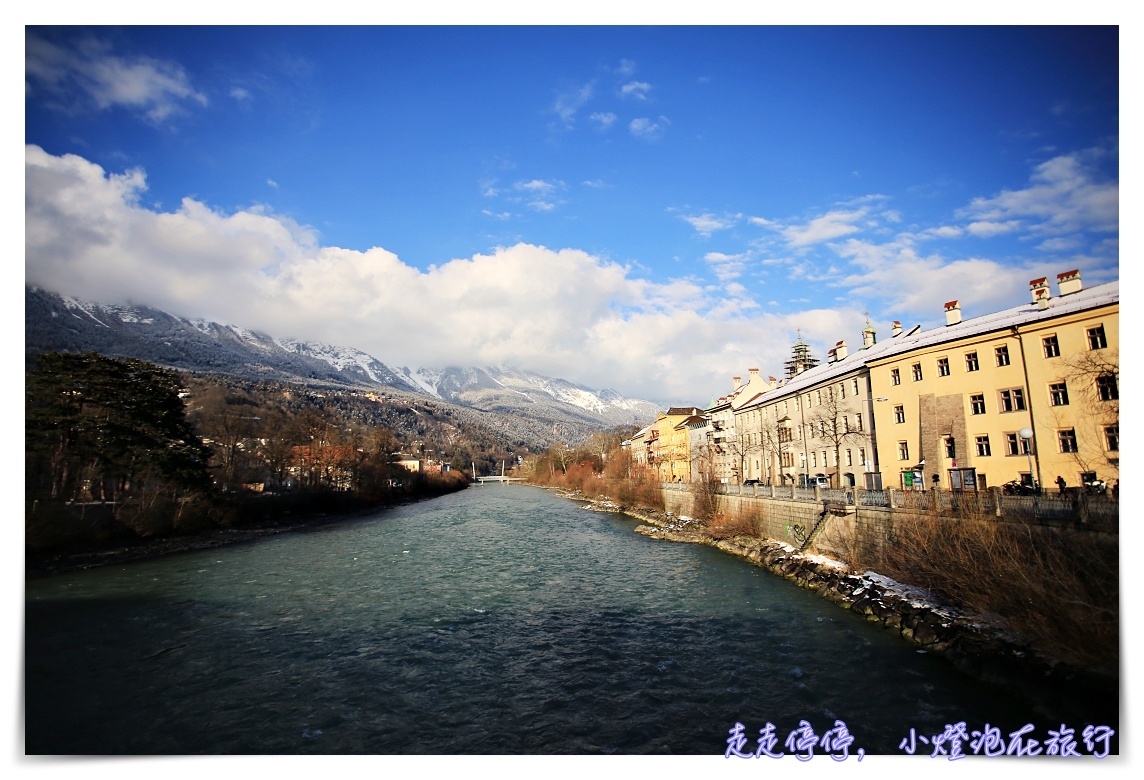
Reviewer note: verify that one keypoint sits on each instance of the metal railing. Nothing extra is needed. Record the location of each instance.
(1074, 506)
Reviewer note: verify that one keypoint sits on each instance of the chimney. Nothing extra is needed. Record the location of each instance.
(753, 374)
(1040, 291)
(771, 380)
(738, 381)
(830, 356)
(868, 336)
(1069, 282)
(896, 328)
(952, 313)
(840, 351)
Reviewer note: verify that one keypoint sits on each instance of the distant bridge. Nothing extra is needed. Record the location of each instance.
(483, 480)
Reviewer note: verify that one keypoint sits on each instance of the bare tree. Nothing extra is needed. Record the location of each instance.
(739, 446)
(830, 422)
(1093, 381)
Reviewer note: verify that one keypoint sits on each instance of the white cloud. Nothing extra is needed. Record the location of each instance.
(561, 312)
(944, 231)
(89, 73)
(626, 68)
(1061, 244)
(990, 229)
(537, 186)
(241, 94)
(635, 89)
(568, 103)
(1065, 194)
(835, 224)
(706, 224)
(272, 184)
(502, 216)
(726, 267)
(605, 118)
(642, 127)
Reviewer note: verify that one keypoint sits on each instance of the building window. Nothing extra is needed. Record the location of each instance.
(943, 366)
(849, 458)
(855, 387)
(814, 459)
(977, 404)
(903, 450)
(950, 448)
(1096, 339)
(895, 376)
(1106, 388)
(862, 455)
(818, 394)
(1013, 400)
(1058, 394)
(1052, 348)
(971, 363)
(1012, 447)
(1066, 437)
(916, 369)
(788, 460)
(1112, 437)
(1002, 354)
(858, 421)
(842, 390)
(845, 424)
(983, 446)
(785, 435)
(899, 414)
(824, 463)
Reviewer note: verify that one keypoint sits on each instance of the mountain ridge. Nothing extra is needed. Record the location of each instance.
(571, 411)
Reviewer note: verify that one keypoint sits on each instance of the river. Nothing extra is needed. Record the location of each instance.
(501, 619)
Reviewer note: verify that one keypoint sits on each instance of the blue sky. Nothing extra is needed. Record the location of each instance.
(652, 209)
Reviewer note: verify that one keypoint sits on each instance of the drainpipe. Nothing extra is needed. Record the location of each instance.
(1016, 333)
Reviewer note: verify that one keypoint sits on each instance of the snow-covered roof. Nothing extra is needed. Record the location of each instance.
(915, 338)
(1025, 314)
(824, 372)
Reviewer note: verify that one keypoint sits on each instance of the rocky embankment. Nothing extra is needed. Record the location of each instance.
(976, 645)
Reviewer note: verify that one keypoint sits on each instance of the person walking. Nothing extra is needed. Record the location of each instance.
(1061, 484)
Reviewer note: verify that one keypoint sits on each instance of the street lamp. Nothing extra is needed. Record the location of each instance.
(1027, 435)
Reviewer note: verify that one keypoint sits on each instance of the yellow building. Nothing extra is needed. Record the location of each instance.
(669, 444)
(1028, 393)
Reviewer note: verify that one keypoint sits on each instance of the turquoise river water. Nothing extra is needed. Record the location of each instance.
(502, 619)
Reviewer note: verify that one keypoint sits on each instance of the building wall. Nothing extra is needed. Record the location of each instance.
(967, 406)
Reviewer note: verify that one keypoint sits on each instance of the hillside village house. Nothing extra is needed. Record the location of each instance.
(1028, 393)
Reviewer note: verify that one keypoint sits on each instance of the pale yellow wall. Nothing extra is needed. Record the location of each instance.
(999, 466)
(1082, 412)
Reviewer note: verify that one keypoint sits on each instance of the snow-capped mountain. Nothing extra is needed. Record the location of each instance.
(55, 322)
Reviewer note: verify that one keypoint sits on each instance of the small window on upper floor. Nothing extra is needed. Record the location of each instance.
(1106, 387)
(1059, 394)
(895, 376)
(1002, 355)
(1096, 338)
(916, 371)
(971, 363)
(977, 404)
(1052, 347)
(899, 414)
(943, 366)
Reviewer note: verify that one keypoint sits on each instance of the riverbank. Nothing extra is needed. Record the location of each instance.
(42, 563)
(977, 645)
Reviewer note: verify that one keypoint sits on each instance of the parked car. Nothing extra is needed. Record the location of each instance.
(750, 481)
(821, 482)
